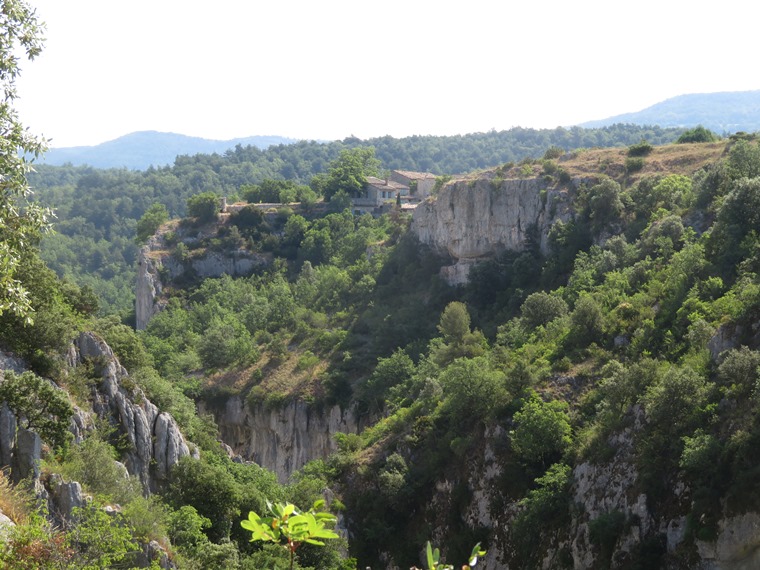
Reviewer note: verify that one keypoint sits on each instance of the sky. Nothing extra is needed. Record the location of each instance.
(331, 69)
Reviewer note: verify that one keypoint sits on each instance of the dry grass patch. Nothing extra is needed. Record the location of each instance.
(15, 502)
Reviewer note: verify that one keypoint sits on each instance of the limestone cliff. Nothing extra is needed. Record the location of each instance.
(471, 220)
(158, 265)
(282, 439)
(156, 443)
(597, 488)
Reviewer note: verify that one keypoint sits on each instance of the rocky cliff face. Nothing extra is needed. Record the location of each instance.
(155, 264)
(156, 443)
(147, 289)
(284, 439)
(596, 489)
(472, 220)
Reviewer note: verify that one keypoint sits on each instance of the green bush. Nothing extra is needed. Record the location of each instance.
(642, 148)
(547, 504)
(698, 134)
(204, 207)
(38, 405)
(634, 164)
(540, 308)
(553, 152)
(543, 431)
(604, 532)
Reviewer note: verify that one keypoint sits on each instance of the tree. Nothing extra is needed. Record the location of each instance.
(587, 322)
(458, 340)
(473, 389)
(455, 323)
(349, 172)
(38, 406)
(605, 205)
(150, 221)
(204, 206)
(211, 489)
(540, 308)
(543, 431)
(20, 222)
(698, 134)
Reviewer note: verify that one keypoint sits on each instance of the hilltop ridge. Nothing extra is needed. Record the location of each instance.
(142, 149)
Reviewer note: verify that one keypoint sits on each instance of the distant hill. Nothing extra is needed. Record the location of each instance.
(726, 112)
(139, 150)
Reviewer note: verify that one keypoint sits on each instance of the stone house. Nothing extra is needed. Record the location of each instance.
(420, 184)
(402, 187)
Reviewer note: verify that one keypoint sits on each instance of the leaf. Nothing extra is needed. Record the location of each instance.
(476, 553)
(429, 554)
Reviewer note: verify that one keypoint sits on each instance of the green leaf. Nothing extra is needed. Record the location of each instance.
(429, 554)
(476, 553)
(318, 504)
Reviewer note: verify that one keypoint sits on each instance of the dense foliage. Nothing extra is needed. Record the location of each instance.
(20, 220)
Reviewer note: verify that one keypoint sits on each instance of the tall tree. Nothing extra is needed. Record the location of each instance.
(20, 221)
(349, 171)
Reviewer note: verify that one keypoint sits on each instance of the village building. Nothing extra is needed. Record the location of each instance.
(402, 188)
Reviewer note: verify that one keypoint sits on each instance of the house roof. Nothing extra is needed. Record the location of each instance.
(415, 175)
(384, 184)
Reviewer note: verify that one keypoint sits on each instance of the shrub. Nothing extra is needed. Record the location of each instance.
(38, 405)
(541, 308)
(642, 148)
(633, 164)
(604, 532)
(553, 152)
(547, 502)
(698, 134)
(93, 463)
(151, 221)
(204, 206)
(604, 203)
(543, 431)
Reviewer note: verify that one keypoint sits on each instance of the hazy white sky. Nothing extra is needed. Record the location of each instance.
(330, 69)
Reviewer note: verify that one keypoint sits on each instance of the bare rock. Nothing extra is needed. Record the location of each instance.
(6, 525)
(169, 446)
(155, 440)
(472, 220)
(737, 546)
(27, 455)
(7, 435)
(284, 439)
(63, 498)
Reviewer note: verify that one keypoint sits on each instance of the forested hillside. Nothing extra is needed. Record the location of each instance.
(625, 352)
(97, 210)
(312, 389)
(626, 347)
(143, 149)
(725, 113)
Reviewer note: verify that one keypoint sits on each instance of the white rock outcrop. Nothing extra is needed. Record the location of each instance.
(153, 263)
(285, 438)
(472, 220)
(156, 443)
